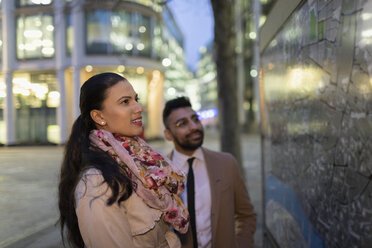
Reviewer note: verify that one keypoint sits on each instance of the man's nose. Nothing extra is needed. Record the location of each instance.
(193, 124)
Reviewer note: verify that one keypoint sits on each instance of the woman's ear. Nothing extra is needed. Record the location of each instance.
(97, 117)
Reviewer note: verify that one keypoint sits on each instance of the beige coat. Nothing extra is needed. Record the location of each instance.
(130, 224)
(233, 218)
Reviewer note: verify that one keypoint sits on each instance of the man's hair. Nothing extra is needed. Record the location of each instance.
(171, 105)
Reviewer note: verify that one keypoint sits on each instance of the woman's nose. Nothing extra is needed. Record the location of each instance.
(139, 107)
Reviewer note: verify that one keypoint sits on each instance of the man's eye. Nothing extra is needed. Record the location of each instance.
(126, 101)
(180, 124)
(196, 119)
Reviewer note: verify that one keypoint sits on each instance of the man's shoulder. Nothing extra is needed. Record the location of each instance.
(223, 156)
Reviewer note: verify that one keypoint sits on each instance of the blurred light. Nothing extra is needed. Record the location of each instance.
(273, 43)
(30, 47)
(202, 49)
(156, 31)
(247, 105)
(166, 62)
(128, 46)
(32, 34)
(171, 91)
(140, 70)
(40, 90)
(88, 68)
(252, 35)
(297, 76)
(142, 29)
(37, 43)
(366, 16)
(121, 68)
(253, 73)
(47, 43)
(262, 20)
(207, 113)
(53, 99)
(38, 22)
(50, 28)
(1, 42)
(367, 33)
(48, 50)
(2, 94)
(140, 46)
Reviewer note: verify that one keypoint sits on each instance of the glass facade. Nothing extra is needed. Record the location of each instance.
(134, 31)
(36, 99)
(35, 37)
(118, 32)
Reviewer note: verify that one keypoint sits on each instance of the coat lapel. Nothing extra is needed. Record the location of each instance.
(215, 183)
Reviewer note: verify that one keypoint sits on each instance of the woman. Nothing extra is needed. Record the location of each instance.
(115, 190)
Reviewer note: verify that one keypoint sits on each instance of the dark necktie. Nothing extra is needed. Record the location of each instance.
(191, 201)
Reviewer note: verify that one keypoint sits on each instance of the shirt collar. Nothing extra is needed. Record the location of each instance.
(180, 159)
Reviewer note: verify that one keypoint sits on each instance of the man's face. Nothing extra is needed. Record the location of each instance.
(185, 130)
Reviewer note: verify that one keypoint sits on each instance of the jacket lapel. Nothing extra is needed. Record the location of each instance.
(214, 180)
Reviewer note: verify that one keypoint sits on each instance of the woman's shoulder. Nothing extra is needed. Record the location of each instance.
(91, 183)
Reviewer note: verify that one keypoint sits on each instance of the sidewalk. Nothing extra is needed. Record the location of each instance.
(28, 188)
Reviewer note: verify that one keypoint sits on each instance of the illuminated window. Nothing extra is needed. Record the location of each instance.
(109, 32)
(144, 35)
(36, 99)
(118, 32)
(69, 35)
(21, 3)
(35, 36)
(157, 41)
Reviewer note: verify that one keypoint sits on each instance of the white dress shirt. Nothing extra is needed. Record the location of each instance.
(202, 194)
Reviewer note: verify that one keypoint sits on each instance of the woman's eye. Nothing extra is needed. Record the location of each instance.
(125, 101)
(137, 99)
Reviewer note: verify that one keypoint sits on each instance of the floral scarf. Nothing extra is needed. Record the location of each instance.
(153, 176)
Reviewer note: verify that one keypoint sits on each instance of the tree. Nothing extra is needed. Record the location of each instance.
(225, 58)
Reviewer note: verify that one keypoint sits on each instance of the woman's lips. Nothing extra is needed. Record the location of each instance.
(137, 122)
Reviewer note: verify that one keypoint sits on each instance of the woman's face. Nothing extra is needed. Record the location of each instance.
(121, 112)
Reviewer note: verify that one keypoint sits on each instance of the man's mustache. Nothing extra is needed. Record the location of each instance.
(197, 131)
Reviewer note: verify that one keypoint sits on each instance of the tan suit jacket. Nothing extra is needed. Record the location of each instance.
(233, 218)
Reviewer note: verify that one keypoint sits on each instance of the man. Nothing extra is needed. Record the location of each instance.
(221, 215)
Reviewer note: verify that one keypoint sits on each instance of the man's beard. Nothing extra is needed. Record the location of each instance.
(190, 146)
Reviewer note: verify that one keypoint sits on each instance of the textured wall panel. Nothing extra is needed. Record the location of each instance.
(317, 120)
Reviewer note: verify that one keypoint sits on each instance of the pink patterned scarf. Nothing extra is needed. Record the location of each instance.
(153, 176)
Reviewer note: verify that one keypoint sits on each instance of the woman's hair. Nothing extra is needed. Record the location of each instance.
(80, 155)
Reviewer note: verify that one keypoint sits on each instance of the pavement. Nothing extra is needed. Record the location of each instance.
(29, 181)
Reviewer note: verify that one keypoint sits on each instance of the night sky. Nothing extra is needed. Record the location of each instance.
(195, 19)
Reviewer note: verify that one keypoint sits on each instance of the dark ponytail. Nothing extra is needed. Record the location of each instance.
(80, 155)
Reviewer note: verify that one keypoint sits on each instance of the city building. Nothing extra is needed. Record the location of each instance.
(49, 48)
